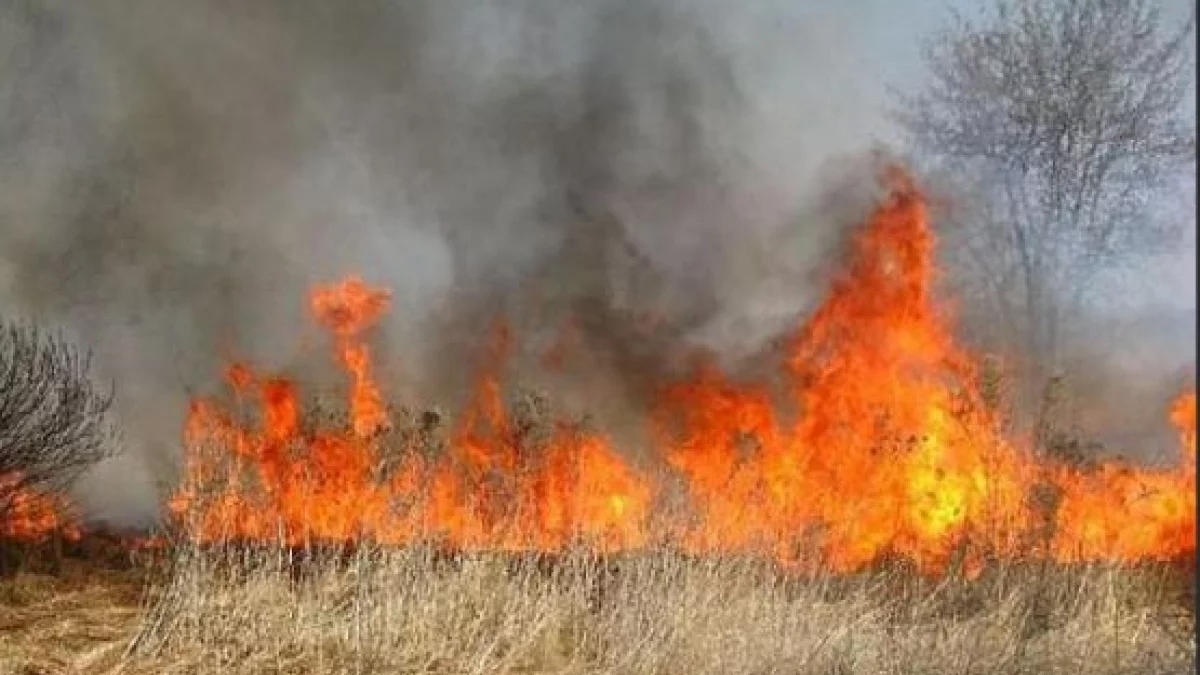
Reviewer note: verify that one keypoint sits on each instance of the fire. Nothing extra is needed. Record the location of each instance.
(1129, 514)
(31, 516)
(882, 447)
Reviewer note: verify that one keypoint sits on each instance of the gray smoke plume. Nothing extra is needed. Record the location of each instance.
(177, 173)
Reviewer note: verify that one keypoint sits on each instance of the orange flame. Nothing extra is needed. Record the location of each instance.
(31, 516)
(892, 452)
(1123, 513)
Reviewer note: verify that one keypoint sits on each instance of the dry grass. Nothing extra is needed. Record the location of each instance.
(77, 621)
(272, 610)
(238, 610)
(373, 611)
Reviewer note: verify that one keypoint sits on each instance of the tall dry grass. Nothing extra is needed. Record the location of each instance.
(236, 610)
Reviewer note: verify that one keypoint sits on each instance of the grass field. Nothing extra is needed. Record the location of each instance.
(411, 611)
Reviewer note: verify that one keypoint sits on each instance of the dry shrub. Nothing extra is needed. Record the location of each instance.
(54, 420)
(54, 425)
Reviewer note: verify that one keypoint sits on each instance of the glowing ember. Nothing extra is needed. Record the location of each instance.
(893, 452)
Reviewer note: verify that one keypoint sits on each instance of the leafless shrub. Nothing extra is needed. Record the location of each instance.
(54, 421)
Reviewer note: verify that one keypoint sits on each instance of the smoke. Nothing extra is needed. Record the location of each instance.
(176, 174)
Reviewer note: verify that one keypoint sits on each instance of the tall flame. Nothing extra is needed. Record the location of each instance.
(890, 451)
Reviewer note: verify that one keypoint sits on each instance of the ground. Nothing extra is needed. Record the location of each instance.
(78, 621)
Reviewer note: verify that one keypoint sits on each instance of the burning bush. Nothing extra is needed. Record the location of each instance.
(53, 425)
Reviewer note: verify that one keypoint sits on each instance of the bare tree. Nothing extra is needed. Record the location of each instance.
(1058, 122)
(54, 420)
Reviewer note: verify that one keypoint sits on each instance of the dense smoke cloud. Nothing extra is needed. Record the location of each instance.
(175, 174)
